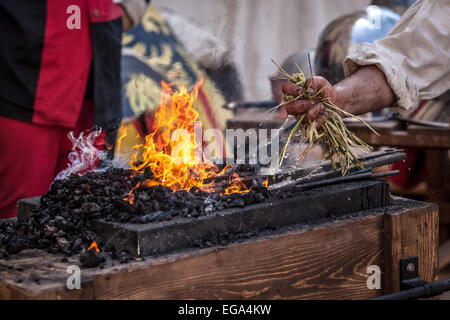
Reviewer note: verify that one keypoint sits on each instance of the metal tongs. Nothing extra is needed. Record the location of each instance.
(363, 174)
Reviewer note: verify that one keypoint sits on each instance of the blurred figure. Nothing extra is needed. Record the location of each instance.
(209, 52)
(398, 6)
(411, 63)
(165, 46)
(290, 65)
(132, 12)
(59, 71)
(337, 39)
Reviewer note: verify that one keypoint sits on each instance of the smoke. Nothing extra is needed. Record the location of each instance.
(85, 156)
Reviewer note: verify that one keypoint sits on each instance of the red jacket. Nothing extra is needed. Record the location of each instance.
(49, 50)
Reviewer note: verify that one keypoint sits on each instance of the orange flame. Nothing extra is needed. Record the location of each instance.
(123, 130)
(171, 151)
(93, 246)
(129, 197)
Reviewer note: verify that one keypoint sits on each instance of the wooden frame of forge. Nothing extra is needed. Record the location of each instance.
(327, 261)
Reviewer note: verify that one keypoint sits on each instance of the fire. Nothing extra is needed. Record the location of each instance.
(171, 151)
(93, 246)
(129, 197)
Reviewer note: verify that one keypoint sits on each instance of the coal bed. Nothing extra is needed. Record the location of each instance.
(82, 209)
(223, 226)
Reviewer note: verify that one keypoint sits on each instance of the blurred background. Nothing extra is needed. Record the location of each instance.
(231, 43)
(256, 31)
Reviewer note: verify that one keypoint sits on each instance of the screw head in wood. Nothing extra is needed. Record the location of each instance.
(410, 267)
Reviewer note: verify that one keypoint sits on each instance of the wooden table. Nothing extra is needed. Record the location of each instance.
(436, 144)
(434, 141)
(320, 261)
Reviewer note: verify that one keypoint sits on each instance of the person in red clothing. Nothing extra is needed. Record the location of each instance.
(59, 71)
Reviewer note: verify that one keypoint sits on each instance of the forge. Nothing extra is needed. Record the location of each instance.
(173, 196)
(225, 226)
(220, 227)
(312, 229)
(201, 219)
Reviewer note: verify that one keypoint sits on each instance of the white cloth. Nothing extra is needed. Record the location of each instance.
(207, 49)
(414, 56)
(257, 31)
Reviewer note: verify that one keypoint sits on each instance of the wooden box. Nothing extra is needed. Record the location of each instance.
(322, 261)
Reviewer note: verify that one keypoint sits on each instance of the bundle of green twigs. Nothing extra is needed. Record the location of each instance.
(339, 143)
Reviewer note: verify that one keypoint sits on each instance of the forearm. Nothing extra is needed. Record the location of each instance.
(132, 12)
(364, 91)
(414, 55)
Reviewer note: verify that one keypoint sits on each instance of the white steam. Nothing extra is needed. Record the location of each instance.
(84, 156)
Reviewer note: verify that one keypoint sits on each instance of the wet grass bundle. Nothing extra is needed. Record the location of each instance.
(339, 143)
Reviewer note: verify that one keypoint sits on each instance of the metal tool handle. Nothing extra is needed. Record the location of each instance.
(427, 290)
(348, 178)
(247, 105)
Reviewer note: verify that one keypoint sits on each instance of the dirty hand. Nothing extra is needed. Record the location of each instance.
(313, 109)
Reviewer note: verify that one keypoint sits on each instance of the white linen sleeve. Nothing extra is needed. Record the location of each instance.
(414, 56)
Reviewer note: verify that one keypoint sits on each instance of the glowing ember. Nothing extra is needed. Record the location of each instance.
(93, 246)
(171, 151)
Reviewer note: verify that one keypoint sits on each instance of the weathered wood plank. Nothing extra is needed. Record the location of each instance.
(403, 138)
(412, 232)
(382, 127)
(36, 274)
(437, 167)
(430, 131)
(327, 262)
(444, 255)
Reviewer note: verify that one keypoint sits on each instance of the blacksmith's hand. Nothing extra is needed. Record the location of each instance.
(315, 110)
